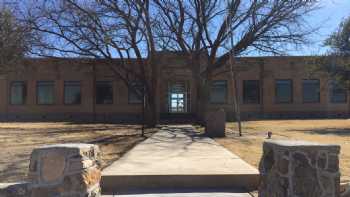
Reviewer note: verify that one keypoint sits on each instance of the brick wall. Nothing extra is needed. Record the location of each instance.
(265, 69)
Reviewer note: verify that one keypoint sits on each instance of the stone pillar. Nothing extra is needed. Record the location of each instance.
(66, 170)
(215, 123)
(345, 190)
(14, 189)
(299, 169)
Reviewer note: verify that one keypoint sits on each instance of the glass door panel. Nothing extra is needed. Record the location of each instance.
(177, 98)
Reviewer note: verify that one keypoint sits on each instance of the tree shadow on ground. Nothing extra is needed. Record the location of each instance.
(115, 142)
(77, 129)
(327, 131)
(17, 169)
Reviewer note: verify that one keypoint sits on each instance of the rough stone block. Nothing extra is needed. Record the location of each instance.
(299, 168)
(65, 170)
(215, 123)
(345, 190)
(14, 190)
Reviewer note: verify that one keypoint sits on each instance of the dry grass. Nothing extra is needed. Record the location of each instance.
(17, 140)
(249, 147)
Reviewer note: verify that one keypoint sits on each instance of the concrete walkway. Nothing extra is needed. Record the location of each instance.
(176, 157)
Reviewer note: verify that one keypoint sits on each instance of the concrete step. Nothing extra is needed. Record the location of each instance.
(184, 193)
(118, 183)
(176, 158)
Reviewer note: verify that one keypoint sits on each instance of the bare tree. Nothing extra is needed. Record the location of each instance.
(104, 29)
(203, 28)
(132, 31)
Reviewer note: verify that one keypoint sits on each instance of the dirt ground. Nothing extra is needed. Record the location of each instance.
(249, 147)
(17, 140)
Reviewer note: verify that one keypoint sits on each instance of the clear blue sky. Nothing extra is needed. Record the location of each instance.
(328, 18)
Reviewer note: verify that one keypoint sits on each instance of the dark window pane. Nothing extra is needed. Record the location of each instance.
(284, 91)
(18, 93)
(72, 92)
(311, 91)
(136, 97)
(218, 91)
(104, 92)
(251, 92)
(338, 93)
(45, 92)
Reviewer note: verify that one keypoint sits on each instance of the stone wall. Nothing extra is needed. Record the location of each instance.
(172, 67)
(66, 170)
(345, 190)
(15, 190)
(299, 169)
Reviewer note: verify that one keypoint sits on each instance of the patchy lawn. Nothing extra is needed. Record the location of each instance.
(249, 147)
(17, 140)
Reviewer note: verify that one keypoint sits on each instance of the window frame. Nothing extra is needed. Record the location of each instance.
(112, 87)
(64, 92)
(37, 92)
(130, 92)
(330, 91)
(24, 92)
(244, 92)
(226, 91)
(319, 92)
(291, 91)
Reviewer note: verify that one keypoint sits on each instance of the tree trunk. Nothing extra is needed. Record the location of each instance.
(202, 85)
(198, 85)
(236, 101)
(203, 98)
(152, 98)
(150, 113)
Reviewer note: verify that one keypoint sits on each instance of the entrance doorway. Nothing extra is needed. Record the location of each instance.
(177, 97)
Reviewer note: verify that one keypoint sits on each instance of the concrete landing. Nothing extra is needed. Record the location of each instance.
(211, 194)
(185, 193)
(177, 158)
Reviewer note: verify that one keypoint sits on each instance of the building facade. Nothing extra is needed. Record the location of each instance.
(268, 87)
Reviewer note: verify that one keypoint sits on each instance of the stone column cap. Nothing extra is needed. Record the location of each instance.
(87, 151)
(68, 145)
(6, 185)
(300, 144)
(71, 147)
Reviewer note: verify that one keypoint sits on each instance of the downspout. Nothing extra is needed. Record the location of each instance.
(348, 100)
(143, 112)
(94, 92)
(7, 98)
(262, 71)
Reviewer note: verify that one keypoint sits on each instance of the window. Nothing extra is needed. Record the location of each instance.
(72, 92)
(134, 98)
(177, 100)
(338, 94)
(284, 91)
(18, 93)
(311, 91)
(45, 92)
(218, 91)
(177, 103)
(251, 92)
(104, 92)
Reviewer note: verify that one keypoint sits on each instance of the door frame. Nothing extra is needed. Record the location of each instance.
(185, 92)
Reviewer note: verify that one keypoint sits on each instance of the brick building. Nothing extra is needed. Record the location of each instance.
(269, 87)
